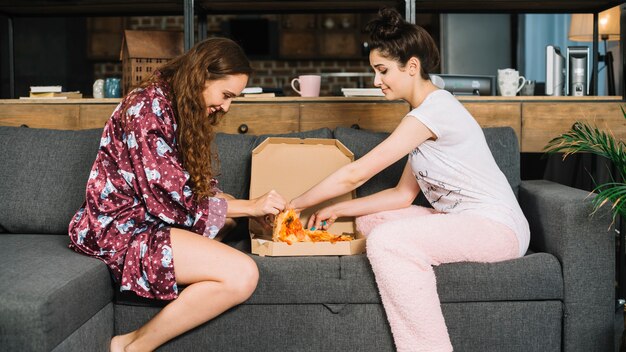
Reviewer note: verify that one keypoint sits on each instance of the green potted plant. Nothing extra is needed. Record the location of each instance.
(587, 138)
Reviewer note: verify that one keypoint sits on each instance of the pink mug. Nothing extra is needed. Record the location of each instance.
(309, 85)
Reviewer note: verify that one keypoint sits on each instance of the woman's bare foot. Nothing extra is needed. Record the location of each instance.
(119, 342)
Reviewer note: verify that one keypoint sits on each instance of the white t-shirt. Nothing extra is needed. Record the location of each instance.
(457, 172)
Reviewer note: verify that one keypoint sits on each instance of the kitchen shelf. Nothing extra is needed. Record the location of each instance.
(175, 7)
(154, 7)
(515, 6)
(187, 8)
(90, 7)
(442, 6)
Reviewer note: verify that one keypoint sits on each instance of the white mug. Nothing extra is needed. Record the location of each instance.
(510, 82)
(309, 85)
(98, 89)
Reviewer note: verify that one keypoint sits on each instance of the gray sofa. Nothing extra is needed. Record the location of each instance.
(559, 297)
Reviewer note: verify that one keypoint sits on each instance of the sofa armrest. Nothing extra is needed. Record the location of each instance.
(561, 224)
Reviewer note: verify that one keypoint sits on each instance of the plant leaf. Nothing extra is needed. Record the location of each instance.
(587, 138)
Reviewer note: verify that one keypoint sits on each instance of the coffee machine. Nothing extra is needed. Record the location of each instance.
(577, 78)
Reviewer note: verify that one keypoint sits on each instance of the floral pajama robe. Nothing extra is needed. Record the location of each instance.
(137, 190)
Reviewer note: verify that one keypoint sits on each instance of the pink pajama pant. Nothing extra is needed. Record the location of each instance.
(403, 245)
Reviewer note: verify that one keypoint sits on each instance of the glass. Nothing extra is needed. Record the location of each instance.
(528, 89)
(113, 88)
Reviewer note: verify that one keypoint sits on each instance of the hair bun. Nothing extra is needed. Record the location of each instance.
(388, 24)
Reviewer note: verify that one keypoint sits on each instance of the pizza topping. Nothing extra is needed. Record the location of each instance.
(288, 228)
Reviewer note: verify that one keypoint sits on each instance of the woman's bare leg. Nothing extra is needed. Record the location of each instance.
(218, 278)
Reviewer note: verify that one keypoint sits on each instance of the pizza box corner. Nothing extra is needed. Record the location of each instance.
(290, 166)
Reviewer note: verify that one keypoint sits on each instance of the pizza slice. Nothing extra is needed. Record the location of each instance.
(288, 228)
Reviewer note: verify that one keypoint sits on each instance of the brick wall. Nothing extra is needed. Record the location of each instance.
(268, 73)
(275, 73)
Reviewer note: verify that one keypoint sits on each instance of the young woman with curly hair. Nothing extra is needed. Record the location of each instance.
(152, 206)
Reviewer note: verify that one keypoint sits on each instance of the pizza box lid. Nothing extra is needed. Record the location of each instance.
(291, 166)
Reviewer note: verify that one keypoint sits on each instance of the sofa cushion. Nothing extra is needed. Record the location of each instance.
(234, 151)
(505, 149)
(278, 328)
(48, 291)
(349, 279)
(532, 277)
(43, 177)
(501, 140)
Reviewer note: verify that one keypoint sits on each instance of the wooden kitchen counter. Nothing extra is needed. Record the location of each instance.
(535, 119)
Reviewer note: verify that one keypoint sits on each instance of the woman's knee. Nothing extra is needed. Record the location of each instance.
(392, 242)
(380, 241)
(366, 223)
(244, 283)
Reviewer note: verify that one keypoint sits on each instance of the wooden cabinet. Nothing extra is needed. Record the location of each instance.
(297, 36)
(298, 114)
(94, 115)
(544, 121)
(54, 116)
(259, 118)
(318, 36)
(298, 45)
(383, 116)
(535, 120)
(104, 37)
(339, 44)
(70, 114)
(340, 35)
(492, 114)
(333, 35)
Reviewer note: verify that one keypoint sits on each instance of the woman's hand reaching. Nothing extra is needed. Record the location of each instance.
(322, 219)
(269, 203)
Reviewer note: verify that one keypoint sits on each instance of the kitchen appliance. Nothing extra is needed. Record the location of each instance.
(555, 71)
(465, 84)
(577, 83)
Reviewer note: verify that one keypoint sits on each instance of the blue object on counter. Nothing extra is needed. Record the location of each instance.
(113, 88)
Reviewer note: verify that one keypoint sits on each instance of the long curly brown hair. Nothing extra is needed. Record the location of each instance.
(209, 60)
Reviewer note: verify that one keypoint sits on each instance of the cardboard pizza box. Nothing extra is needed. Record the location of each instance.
(291, 166)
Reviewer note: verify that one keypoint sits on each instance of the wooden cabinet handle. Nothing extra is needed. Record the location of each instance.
(243, 128)
(356, 126)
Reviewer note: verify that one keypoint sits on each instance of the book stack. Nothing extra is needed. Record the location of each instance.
(362, 92)
(51, 92)
(256, 92)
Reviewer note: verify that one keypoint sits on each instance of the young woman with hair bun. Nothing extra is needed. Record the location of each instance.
(475, 215)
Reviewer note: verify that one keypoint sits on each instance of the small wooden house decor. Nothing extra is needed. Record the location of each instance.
(144, 51)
